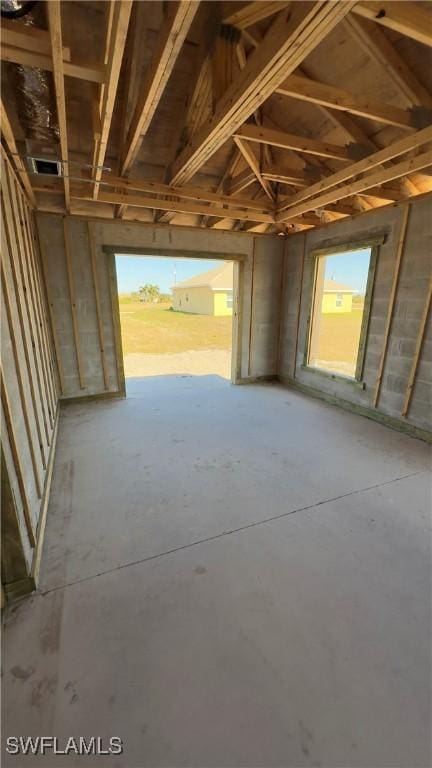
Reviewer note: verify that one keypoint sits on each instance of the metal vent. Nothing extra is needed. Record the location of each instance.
(45, 167)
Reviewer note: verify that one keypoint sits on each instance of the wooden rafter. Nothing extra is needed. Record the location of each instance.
(328, 96)
(254, 165)
(292, 176)
(227, 175)
(55, 31)
(240, 182)
(363, 166)
(289, 141)
(395, 172)
(242, 15)
(170, 40)
(376, 45)
(407, 18)
(19, 35)
(283, 49)
(28, 58)
(115, 46)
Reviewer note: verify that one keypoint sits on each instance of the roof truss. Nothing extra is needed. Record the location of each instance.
(246, 53)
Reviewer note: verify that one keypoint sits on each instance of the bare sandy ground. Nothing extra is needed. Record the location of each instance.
(198, 363)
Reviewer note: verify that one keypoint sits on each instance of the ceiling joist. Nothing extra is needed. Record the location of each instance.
(55, 31)
(170, 40)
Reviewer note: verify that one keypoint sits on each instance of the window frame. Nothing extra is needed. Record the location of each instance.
(315, 255)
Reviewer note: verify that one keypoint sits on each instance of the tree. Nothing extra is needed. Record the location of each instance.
(149, 292)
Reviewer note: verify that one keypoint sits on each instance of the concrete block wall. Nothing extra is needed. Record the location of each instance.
(411, 297)
(260, 259)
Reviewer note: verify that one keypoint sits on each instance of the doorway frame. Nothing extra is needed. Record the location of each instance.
(238, 260)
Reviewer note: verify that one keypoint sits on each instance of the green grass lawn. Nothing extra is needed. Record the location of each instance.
(339, 336)
(155, 328)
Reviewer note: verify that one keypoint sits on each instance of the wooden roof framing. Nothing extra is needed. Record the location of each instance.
(213, 113)
(55, 29)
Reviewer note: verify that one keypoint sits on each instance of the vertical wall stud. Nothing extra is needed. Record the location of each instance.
(297, 328)
(12, 248)
(98, 304)
(20, 384)
(16, 460)
(389, 319)
(71, 285)
(418, 348)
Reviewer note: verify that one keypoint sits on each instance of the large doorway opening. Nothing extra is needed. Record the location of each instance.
(177, 315)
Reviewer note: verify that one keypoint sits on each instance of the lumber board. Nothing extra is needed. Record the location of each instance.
(417, 352)
(283, 49)
(284, 140)
(170, 40)
(73, 307)
(394, 172)
(405, 212)
(408, 18)
(55, 31)
(331, 97)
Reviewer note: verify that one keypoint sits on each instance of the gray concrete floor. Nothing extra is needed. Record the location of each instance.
(232, 576)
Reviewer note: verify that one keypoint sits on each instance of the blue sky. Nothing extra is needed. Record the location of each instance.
(134, 271)
(349, 268)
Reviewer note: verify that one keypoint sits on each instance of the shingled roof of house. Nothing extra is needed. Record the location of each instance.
(218, 279)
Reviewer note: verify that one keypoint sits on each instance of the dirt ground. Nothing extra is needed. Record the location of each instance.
(193, 362)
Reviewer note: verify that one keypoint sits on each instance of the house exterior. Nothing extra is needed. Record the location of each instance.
(209, 293)
(336, 297)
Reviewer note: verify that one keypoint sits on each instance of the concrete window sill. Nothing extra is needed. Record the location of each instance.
(334, 376)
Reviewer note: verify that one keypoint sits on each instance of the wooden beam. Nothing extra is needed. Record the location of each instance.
(240, 182)
(253, 163)
(395, 172)
(93, 261)
(407, 18)
(72, 301)
(417, 353)
(201, 99)
(376, 45)
(283, 140)
(396, 149)
(50, 304)
(283, 49)
(170, 40)
(20, 35)
(9, 138)
(292, 176)
(117, 41)
(305, 89)
(223, 61)
(80, 70)
(140, 201)
(230, 168)
(197, 194)
(242, 15)
(55, 31)
(389, 319)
